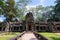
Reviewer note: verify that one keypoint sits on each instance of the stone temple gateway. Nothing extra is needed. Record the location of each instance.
(29, 22)
(30, 30)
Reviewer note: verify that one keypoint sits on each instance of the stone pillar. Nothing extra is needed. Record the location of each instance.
(35, 28)
(26, 27)
(19, 28)
(39, 28)
(32, 26)
(12, 28)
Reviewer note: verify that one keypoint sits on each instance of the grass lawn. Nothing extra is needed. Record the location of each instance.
(51, 36)
(6, 37)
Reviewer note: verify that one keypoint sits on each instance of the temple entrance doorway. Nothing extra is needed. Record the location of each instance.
(29, 28)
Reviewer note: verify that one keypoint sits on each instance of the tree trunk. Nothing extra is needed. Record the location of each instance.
(7, 27)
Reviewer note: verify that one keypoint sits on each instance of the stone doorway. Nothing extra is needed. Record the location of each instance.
(29, 28)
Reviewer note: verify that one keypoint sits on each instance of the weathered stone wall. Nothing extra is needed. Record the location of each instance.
(39, 26)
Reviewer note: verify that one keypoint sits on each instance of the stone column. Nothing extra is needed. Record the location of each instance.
(26, 27)
(35, 28)
(12, 28)
(19, 28)
(39, 28)
(32, 26)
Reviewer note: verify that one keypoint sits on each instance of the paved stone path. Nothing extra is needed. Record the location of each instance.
(28, 36)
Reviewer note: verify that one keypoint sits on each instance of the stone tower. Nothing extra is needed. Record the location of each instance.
(29, 22)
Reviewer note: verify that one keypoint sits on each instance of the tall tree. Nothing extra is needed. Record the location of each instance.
(10, 10)
(22, 8)
(57, 11)
(7, 8)
(57, 6)
(1, 6)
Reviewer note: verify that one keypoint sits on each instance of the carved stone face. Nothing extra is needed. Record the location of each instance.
(29, 22)
(29, 17)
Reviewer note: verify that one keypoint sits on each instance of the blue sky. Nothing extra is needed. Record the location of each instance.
(35, 3)
(41, 2)
(2, 18)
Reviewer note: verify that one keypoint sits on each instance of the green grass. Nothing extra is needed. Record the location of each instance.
(51, 36)
(6, 37)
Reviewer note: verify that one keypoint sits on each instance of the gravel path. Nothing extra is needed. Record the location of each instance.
(28, 36)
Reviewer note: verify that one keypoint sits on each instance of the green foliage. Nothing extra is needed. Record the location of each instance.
(8, 9)
(44, 13)
(1, 5)
(57, 11)
(57, 6)
(10, 35)
(21, 9)
(11, 9)
(51, 36)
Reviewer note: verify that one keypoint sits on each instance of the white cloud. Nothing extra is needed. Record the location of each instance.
(41, 1)
(2, 18)
(30, 6)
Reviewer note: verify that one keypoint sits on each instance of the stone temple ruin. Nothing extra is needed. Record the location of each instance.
(30, 33)
(39, 26)
(29, 22)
